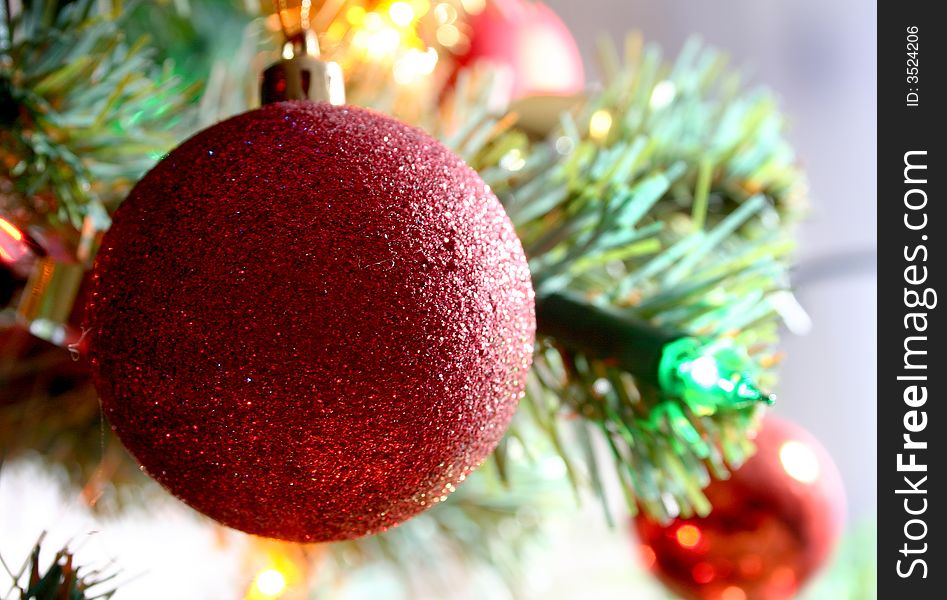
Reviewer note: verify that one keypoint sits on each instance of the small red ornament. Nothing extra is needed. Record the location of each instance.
(311, 322)
(773, 524)
(531, 44)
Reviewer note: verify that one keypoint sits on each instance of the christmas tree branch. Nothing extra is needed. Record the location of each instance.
(85, 112)
(666, 198)
(61, 579)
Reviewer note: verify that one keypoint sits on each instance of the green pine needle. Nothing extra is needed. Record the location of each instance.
(87, 111)
(681, 214)
(60, 580)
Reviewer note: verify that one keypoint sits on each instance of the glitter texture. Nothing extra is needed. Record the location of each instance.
(311, 322)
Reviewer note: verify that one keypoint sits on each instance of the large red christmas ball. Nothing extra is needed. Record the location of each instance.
(773, 524)
(532, 46)
(311, 322)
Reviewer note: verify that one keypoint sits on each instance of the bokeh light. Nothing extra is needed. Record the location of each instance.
(799, 461)
(688, 536)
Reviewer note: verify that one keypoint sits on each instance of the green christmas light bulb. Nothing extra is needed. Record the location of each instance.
(709, 376)
(705, 375)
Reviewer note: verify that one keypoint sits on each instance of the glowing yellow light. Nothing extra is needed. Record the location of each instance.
(513, 160)
(15, 248)
(384, 43)
(688, 536)
(600, 124)
(403, 74)
(270, 583)
(474, 7)
(414, 65)
(448, 35)
(401, 13)
(799, 461)
(663, 94)
(430, 60)
(337, 30)
(373, 21)
(355, 15)
(376, 38)
(8, 228)
(445, 14)
(733, 593)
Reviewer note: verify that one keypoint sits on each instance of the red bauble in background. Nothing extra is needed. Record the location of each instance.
(530, 44)
(311, 322)
(773, 524)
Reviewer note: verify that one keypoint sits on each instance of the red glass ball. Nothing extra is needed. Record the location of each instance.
(774, 523)
(311, 322)
(531, 45)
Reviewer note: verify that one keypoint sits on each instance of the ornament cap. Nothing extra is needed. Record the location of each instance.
(301, 75)
(49, 298)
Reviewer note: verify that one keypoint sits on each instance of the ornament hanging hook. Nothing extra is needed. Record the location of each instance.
(298, 34)
(300, 74)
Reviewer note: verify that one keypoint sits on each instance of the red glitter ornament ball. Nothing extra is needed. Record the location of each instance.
(773, 524)
(311, 322)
